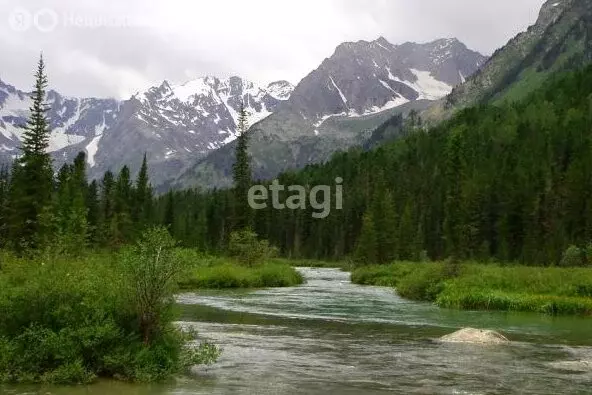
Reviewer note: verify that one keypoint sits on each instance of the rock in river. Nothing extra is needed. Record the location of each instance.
(471, 335)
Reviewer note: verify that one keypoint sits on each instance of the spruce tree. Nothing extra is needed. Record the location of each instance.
(107, 218)
(242, 175)
(123, 200)
(367, 247)
(32, 178)
(142, 205)
(4, 190)
(93, 209)
(169, 212)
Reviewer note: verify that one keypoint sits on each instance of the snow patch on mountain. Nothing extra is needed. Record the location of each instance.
(429, 87)
(91, 150)
(338, 90)
(426, 85)
(196, 87)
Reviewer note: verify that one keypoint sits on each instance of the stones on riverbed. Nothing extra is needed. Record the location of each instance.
(477, 336)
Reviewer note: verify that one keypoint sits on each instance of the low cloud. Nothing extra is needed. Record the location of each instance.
(115, 48)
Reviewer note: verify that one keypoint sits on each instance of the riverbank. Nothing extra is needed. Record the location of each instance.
(73, 320)
(110, 314)
(222, 273)
(473, 286)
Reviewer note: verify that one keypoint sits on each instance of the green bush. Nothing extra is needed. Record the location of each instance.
(573, 257)
(247, 249)
(71, 321)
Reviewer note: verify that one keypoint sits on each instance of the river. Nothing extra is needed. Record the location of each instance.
(330, 336)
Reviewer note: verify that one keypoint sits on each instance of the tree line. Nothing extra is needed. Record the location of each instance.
(511, 182)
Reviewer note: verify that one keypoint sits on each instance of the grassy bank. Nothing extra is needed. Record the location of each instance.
(220, 273)
(473, 286)
(71, 320)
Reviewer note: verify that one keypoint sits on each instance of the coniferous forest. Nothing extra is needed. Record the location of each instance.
(509, 182)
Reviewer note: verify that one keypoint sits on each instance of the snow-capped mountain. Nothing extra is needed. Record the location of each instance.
(74, 121)
(171, 123)
(364, 78)
(350, 93)
(360, 86)
(203, 113)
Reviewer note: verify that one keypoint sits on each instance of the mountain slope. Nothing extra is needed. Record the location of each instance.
(560, 40)
(177, 124)
(74, 122)
(172, 124)
(337, 105)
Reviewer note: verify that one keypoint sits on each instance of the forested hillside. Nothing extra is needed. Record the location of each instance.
(510, 182)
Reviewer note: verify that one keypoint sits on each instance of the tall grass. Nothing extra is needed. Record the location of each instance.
(70, 320)
(487, 287)
(227, 274)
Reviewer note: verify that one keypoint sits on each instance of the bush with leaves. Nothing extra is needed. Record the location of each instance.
(573, 257)
(247, 249)
(70, 320)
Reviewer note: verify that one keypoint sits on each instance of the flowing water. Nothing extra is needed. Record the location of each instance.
(333, 337)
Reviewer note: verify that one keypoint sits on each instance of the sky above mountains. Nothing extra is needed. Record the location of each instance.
(112, 48)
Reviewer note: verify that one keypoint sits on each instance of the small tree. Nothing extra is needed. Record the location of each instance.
(151, 269)
(245, 247)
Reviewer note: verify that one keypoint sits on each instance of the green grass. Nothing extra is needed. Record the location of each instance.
(68, 320)
(222, 273)
(475, 286)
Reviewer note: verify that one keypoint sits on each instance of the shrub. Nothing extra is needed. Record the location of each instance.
(424, 283)
(247, 249)
(70, 321)
(151, 270)
(573, 257)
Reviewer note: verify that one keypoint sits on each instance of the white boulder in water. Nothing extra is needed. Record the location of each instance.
(471, 335)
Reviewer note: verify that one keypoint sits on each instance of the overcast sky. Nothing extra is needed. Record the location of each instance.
(113, 48)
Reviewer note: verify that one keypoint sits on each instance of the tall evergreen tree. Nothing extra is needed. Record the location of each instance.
(32, 178)
(107, 218)
(142, 205)
(243, 214)
(4, 191)
(93, 209)
(169, 213)
(367, 247)
(123, 200)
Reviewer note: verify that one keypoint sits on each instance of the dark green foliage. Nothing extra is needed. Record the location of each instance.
(142, 201)
(509, 183)
(242, 175)
(71, 321)
(32, 176)
(367, 247)
(247, 249)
